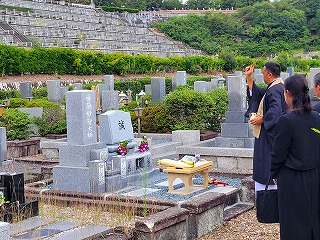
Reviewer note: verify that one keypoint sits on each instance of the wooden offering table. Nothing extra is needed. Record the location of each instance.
(186, 174)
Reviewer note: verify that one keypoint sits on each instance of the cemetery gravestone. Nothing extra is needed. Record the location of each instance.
(290, 70)
(115, 126)
(76, 169)
(77, 86)
(25, 90)
(235, 132)
(147, 89)
(179, 79)
(284, 75)
(200, 86)
(54, 91)
(110, 100)
(3, 145)
(109, 81)
(158, 89)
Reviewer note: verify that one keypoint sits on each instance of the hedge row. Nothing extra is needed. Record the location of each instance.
(17, 61)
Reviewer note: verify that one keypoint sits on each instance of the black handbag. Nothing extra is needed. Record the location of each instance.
(267, 205)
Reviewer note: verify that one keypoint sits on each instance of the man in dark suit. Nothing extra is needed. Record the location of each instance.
(316, 81)
(268, 104)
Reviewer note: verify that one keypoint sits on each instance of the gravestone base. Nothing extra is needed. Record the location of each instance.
(235, 130)
(80, 179)
(77, 155)
(234, 142)
(123, 170)
(116, 182)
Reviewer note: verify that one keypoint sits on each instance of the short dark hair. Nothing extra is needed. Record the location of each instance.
(316, 79)
(274, 68)
(297, 85)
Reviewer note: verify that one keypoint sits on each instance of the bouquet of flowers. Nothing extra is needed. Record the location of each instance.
(144, 146)
(122, 147)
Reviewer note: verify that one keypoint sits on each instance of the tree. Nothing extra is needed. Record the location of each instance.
(199, 4)
(171, 4)
(154, 5)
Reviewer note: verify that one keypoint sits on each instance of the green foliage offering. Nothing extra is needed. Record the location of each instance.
(53, 121)
(16, 124)
(196, 110)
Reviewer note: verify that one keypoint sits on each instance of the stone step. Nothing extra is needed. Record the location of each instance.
(232, 194)
(164, 148)
(236, 209)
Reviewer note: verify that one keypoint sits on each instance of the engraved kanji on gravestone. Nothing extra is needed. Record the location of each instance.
(121, 125)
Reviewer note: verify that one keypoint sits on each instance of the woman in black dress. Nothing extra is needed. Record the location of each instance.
(295, 163)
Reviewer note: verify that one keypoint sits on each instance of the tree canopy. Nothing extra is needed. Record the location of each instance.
(265, 27)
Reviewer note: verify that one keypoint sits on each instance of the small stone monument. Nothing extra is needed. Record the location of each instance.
(116, 126)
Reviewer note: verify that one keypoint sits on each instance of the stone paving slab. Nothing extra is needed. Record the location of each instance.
(226, 190)
(80, 233)
(141, 192)
(47, 231)
(29, 224)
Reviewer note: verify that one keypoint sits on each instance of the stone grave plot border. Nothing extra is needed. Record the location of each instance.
(165, 219)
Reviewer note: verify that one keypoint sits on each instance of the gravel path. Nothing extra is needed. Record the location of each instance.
(243, 227)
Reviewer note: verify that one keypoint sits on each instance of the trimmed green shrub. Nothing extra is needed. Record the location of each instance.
(196, 110)
(16, 124)
(156, 119)
(53, 121)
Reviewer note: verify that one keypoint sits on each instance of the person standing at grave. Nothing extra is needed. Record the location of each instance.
(316, 82)
(295, 163)
(267, 104)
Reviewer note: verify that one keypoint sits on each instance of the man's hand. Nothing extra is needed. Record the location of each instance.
(258, 120)
(248, 71)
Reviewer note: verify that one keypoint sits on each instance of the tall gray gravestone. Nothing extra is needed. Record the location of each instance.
(109, 81)
(101, 88)
(235, 131)
(110, 100)
(147, 89)
(158, 89)
(258, 76)
(54, 91)
(3, 145)
(76, 169)
(179, 79)
(63, 91)
(25, 90)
